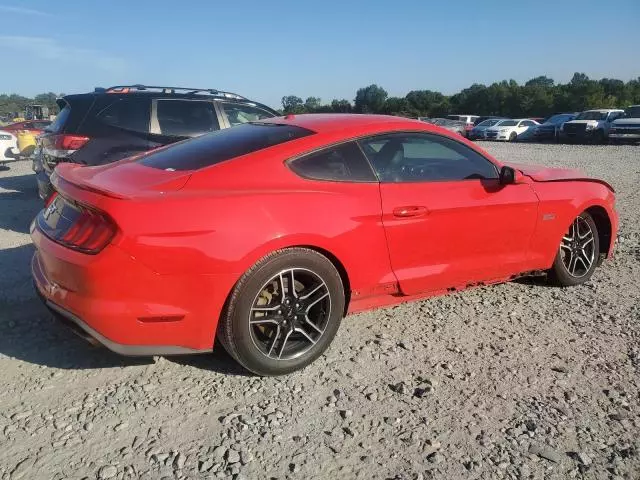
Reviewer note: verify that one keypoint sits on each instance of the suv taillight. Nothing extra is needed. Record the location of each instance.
(62, 145)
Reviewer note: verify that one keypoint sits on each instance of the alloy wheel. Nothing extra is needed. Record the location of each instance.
(577, 248)
(290, 314)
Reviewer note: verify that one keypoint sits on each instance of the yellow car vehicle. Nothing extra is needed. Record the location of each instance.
(26, 142)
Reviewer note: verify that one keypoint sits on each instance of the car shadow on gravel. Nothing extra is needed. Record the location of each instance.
(217, 361)
(29, 332)
(20, 202)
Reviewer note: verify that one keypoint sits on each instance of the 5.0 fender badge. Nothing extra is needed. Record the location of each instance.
(548, 216)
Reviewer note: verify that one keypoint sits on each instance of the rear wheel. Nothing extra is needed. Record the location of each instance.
(577, 255)
(284, 312)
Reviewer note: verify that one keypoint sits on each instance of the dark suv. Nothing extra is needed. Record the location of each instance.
(114, 123)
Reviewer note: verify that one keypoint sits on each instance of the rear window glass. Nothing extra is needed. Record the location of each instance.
(128, 113)
(186, 118)
(222, 145)
(342, 163)
(61, 119)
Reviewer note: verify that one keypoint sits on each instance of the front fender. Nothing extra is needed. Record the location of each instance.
(560, 204)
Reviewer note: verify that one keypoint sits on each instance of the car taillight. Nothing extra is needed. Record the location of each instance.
(63, 145)
(90, 233)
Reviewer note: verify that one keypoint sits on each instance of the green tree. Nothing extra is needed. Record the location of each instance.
(370, 99)
(311, 104)
(292, 104)
(341, 106)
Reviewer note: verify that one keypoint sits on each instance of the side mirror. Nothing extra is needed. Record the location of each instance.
(507, 176)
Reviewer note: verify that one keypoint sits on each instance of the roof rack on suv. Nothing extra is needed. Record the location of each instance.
(185, 90)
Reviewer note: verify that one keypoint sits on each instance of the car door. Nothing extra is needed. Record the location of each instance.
(448, 220)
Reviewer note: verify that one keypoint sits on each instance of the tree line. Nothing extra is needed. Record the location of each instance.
(14, 105)
(538, 97)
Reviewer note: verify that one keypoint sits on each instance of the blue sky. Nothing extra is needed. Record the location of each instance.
(267, 49)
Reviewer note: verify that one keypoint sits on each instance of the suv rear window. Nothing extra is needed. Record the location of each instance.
(186, 118)
(128, 114)
(223, 145)
(61, 119)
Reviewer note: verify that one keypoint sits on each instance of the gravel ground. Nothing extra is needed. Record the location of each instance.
(514, 381)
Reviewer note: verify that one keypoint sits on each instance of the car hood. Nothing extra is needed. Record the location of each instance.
(627, 121)
(583, 121)
(541, 173)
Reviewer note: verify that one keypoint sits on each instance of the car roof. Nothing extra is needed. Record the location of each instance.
(172, 95)
(604, 110)
(330, 122)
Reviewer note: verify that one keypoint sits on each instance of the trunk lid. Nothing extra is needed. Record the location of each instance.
(123, 180)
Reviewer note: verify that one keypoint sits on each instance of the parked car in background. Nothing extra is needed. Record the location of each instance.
(113, 123)
(478, 131)
(455, 126)
(27, 141)
(468, 122)
(33, 126)
(8, 145)
(550, 129)
(539, 120)
(246, 237)
(590, 125)
(627, 127)
(481, 119)
(510, 130)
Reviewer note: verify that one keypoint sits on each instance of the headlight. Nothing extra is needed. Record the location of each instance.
(590, 126)
(5, 137)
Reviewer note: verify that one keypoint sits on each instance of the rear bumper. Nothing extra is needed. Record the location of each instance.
(125, 306)
(45, 189)
(84, 330)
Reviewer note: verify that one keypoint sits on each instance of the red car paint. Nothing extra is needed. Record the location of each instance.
(184, 238)
(27, 125)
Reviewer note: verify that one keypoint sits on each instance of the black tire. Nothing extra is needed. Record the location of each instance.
(513, 137)
(239, 337)
(560, 274)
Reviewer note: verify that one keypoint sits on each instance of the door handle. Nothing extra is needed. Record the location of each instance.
(410, 211)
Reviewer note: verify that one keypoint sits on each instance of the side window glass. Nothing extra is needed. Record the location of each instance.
(416, 157)
(238, 113)
(186, 118)
(128, 114)
(342, 163)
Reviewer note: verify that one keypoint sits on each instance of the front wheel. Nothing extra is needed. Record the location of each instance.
(577, 255)
(513, 136)
(284, 312)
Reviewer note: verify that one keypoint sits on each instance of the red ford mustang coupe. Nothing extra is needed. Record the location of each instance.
(266, 234)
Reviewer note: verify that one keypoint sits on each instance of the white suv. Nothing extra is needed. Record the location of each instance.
(591, 125)
(627, 127)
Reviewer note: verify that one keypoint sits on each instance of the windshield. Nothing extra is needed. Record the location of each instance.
(632, 112)
(507, 123)
(560, 118)
(592, 115)
(454, 117)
